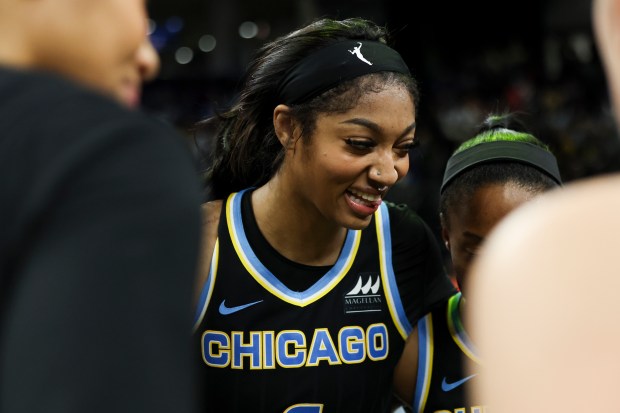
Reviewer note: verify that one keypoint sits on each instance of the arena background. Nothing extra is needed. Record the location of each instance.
(536, 57)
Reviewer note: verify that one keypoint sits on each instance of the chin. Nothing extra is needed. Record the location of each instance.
(358, 223)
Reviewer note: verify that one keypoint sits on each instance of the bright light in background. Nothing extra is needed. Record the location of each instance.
(248, 30)
(151, 27)
(174, 24)
(183, 55)
(207, 43)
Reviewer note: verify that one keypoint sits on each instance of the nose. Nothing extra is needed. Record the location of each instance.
(385, 171)
(147, 60)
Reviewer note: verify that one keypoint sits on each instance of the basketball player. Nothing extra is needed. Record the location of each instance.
(485, 179)
(314, 281)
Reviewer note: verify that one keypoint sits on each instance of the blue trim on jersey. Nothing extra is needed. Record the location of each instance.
(269, 281)
(207, 289)
(457, 331)
(425, 363)
(397, 310)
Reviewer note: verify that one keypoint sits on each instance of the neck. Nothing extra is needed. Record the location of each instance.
(299, 234)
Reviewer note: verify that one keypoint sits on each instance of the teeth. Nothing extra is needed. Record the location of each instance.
(364, 196)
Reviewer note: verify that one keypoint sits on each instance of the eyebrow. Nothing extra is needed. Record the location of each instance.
(472, 236)
(375, 127)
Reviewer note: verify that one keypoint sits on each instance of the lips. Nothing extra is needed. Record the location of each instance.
(364, 198)
(363, 204)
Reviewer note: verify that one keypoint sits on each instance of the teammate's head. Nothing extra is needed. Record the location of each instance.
(101, 44)
(487, 177)
(314, 71)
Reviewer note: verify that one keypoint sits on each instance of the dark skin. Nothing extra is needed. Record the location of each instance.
(467, 225)
(464, 229)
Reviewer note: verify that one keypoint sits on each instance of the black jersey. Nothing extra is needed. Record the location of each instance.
(99, 239)
(444, 347)
(327, 347)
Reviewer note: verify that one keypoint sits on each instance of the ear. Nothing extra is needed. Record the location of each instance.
(284, 126)
(445, 235)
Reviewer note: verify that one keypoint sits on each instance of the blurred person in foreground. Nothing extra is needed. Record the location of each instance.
(99, 217)
(544, 291)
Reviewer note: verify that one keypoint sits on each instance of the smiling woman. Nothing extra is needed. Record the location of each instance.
(336, 275)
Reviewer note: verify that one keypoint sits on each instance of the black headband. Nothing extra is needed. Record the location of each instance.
(502, 151)
(327, 67)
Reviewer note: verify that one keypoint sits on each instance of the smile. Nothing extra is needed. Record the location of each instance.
(364, 198)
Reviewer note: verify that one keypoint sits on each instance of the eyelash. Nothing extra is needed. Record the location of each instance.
(364, 144)
(472, 252)
(360, 144)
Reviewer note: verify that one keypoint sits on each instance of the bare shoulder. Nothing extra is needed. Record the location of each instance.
(211, 213)
(210, 219)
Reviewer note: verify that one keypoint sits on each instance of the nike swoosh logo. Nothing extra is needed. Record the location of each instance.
(445, 386)
(229, 310)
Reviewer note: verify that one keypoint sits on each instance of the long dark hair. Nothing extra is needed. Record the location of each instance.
(246, 150)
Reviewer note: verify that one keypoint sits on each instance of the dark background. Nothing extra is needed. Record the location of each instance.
(472, 57)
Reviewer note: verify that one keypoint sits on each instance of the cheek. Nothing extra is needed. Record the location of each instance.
(460, 265)
(338, 169)
(402, 167)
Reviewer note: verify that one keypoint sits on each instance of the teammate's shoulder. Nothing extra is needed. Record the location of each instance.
(399, 209)
(402, 214)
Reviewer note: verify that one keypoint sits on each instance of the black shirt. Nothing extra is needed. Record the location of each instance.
(99, 240)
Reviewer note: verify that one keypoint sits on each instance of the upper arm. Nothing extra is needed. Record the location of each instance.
(211, 216)
(406, 370)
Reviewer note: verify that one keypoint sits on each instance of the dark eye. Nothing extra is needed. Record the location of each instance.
(360, 143)
(408, 145)
(473, 250)
(404, 148)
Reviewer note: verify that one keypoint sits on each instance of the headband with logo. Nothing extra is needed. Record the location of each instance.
(511, 151)
(327, 67)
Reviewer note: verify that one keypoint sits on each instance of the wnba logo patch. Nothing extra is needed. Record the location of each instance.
(364, 297)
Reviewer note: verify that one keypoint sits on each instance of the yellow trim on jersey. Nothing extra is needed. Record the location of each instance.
(273, 285)
(428, 353)
(459, 335)
(390, 295)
